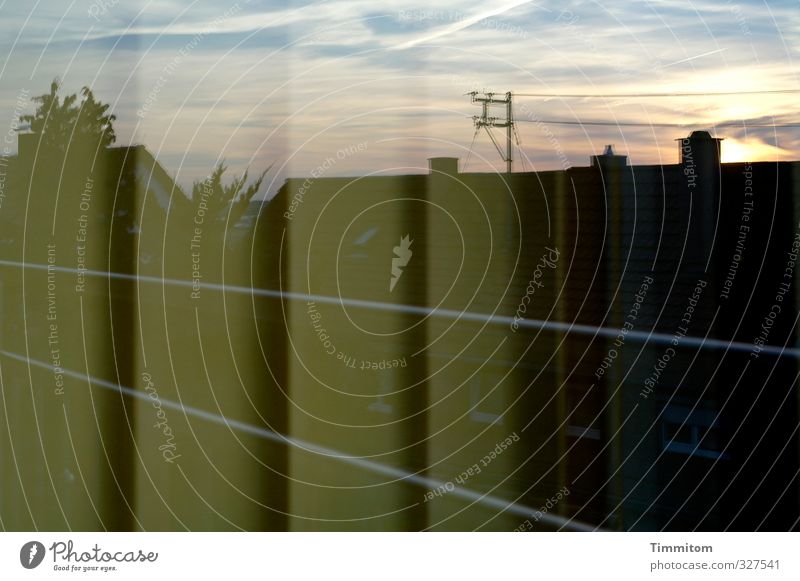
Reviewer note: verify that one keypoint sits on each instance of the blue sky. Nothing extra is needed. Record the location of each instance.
(379, 87)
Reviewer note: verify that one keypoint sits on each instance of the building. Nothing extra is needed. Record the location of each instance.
(612, 316)
(607, 346)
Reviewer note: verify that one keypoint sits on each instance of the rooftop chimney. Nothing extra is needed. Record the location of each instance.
(699, 173)
(609, 159)
(700, 149)
(443, 165)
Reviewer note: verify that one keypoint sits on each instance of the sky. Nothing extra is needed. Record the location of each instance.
(360, 87)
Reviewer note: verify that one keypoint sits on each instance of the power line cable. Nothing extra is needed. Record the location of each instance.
(471, 146)
(653, 95)
(742, 124)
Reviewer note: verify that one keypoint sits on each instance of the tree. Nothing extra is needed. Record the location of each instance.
(219, 203)
(62, 122)
(202, 229)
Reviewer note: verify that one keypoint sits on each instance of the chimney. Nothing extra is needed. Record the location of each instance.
(609, 159)
(699, 175)
(700, 149)
(443, 166)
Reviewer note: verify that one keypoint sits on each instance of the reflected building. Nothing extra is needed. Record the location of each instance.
(609, 315)
(608, 346)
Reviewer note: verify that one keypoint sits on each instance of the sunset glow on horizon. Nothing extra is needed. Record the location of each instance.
(261, 82)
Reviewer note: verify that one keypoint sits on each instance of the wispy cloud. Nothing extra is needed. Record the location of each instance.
(466, 22)
(302, 79)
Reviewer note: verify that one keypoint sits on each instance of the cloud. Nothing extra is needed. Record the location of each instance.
(299, 79)
(462, 22)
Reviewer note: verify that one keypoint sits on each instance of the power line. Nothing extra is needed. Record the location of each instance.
(742, 124)
(654, 95)
(487, 121)
(471, 145)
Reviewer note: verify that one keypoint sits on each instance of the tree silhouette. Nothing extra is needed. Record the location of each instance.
(203, 227)
(220, 203)
(63, 122)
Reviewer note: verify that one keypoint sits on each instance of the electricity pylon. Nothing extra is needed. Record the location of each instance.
(486, 121)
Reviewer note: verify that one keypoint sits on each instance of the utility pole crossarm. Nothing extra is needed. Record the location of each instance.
(486, 121)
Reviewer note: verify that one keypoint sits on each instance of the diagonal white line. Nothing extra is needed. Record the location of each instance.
(564, 327)
(369, 465)
(691, 58)
(462, 24)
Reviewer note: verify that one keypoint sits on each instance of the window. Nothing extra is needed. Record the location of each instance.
(694, 433)
(487, 404)
(379, 405)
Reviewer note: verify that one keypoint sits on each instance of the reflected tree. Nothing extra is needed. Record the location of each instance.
(71, 120)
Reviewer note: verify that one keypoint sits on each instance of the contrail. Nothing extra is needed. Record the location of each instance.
(462, 24)
(691, 58)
